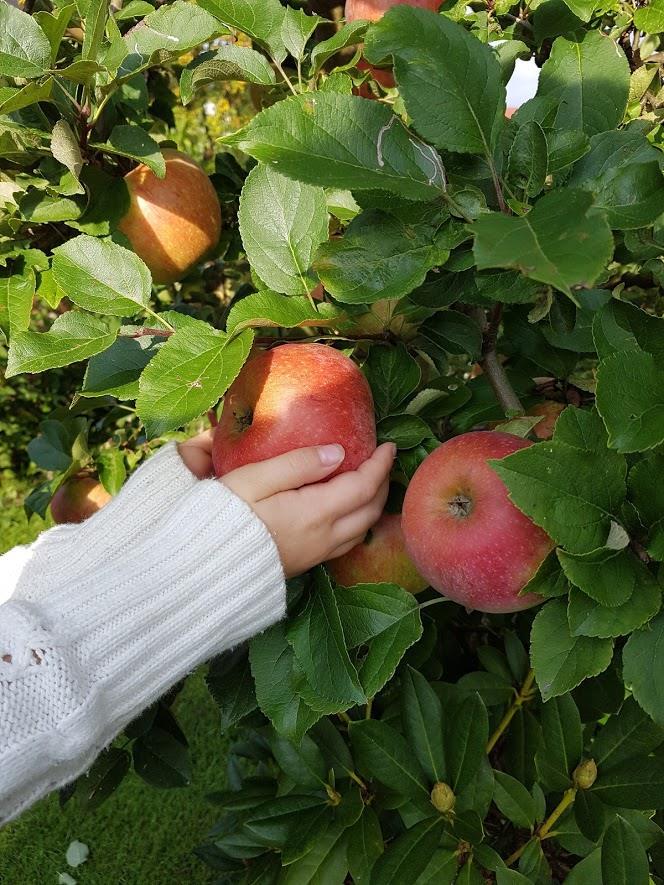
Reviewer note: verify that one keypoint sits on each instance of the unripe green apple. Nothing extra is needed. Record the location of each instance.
(463, 532)
(77, 499)
(174, 221)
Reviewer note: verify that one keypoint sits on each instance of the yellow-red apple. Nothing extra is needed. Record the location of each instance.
(372, 10)
(77, 499)
(463, 532)
(174, 221)
(380, 558)
(550, 411)
(292, 396)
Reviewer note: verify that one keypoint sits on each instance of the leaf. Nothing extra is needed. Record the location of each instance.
(54, 25)
(277, 821)
(117, 370)
(582, 9)
(17, 292)
(112, 470)
(392, 375)
(422, 716)
(514, 800)
(95, 24)
(527, 161)
(561, 241)
(450, 331)
(608, 576)
(325, 862)
(303, 762)
(262, 22)
(24, 47)
(53, 449)
(101, 276)
(628, 734)
(186, 378)
(589, 618)
(573, 494)
(296, 28)
(565, 147)
(449, 81)
(172, 30)
(365, 846)
(31, 93)
(650, 18)
(103, 778)
(630, 399)
(73, 337)
(229, 62)
(562, 743)
(466, 737)
(162, 759)
(561, 661)
(381, 753)
(135, 143)
(271, 309)
(65, 147)
(585, 82)
(647, 495)
(272, 661)
(620, 326)
(379, 256)
(409, 854)
(624, 860)
(342, 141)
(623, 173)
(634, 783)
(349, 34)
(405, 431)
(282, 223)
(230, 683)
(318, 641)
(643, 655)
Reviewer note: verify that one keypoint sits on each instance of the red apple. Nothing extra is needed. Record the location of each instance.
(292, 396)
(384, 76)
(372, 10)
(462, 531)
(171, 222)
(77, 499)
(551, 412)
(380, 558)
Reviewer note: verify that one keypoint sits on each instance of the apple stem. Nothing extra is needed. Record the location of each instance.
(523, 696)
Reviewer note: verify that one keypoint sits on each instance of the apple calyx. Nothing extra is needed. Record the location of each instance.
(585, 774)
(243, 418)
(460, 506)
(442, 797)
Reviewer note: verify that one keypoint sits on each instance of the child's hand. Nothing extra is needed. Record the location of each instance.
(197, 454)
(312, 521)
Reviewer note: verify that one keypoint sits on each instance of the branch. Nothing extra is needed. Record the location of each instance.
(525, 694)
(493, 369)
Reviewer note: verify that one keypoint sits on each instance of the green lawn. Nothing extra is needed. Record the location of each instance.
(141, 835)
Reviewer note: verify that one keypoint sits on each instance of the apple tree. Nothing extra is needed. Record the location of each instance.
(484, 273)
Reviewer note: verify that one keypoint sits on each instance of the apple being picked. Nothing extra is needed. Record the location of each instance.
(77, 499)
(174, 221)
(462, 531)
(292, 396)
(380, 558)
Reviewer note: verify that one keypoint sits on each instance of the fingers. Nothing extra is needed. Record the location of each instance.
(360, 521)
(347, 547)
(197, 454)
(348, 492)
(295, 469)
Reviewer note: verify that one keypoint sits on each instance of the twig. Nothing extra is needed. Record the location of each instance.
(285, 76)
(523, 696)
(543, 830)
(493, 369)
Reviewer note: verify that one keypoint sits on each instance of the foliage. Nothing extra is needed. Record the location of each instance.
(475, 267)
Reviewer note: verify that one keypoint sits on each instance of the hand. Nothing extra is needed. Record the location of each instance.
(310, 520)
(197, 454)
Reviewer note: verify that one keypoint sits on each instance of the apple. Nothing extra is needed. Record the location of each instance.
(77, 499)
(292, 396)
(551, 412)
(171, 222)
(372, 10)
(462, 531)
(380, 558)
(384, 76)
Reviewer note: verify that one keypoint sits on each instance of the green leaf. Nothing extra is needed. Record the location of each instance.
(302, 762)
(581, 429)
(621, 326)
(561, 661)
(272, 662)
(349, 34)
(54, 25)
(381, 753)
(623, 172)
(643, 656)
(634, 783)
(435, 57)
(514, 800)
(562, 743)
(133, 9)
(58, 444)
(441, 869)
(582, 9)
(24, 47)
(317, 638)
(65, 147)
(229, 62)
(282, 223)
(422, 716)
(270, 309)
(231, 685)
(342, 141)
(16, 99)
(650, 18)
(325, 863)
(101, 276)
(588, 618)
(112, 469)
(466, 737)
(365, 846)
(17, 292)
(392, 374)
(277, 821)
(630, 399)
(624, 859)
(647, 495)
(161, 759)
(527, 160)
(565, 147)
(405, 431)
(380, 256)
(105, 776)
(561, 241)
(586, 83)
(628, 734)
(409, 854)
(95, 25)
(116, 371)
(135, 143)
(260, 21)
(296, 28)
(73, 337)
(573, 494)
(172, 30)
(450, 331)
(186, 378)
(608, 576)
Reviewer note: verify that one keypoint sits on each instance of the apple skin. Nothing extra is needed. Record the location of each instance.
(292, 396)
(384, 76)
(171, 222)
(551, 412)
(373, 10)
(481, 558)
(77, 499)
(380, 558)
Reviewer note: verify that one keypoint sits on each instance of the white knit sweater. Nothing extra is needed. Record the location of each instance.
(100, 619)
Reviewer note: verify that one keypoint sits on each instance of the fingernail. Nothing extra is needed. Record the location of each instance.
(330, 455)
(393, 449)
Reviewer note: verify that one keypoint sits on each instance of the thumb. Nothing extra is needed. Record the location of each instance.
(295, 469)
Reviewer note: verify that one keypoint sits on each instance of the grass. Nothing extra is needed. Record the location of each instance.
(141, 835)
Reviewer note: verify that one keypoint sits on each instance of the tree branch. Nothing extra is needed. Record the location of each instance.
(493, 369)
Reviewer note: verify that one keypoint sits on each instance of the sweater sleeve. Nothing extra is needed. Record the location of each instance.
(102, 618)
